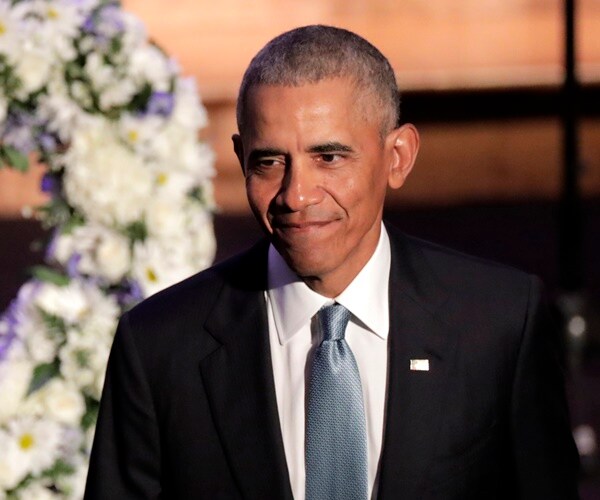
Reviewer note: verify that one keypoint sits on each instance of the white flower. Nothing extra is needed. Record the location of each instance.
(112, 256)
(114, 85)
(10, 27)
(141, 133)
(101, 321)
(189, 112)
(99, 73)
(118, 93)
(61, 20)
(175, 185)
(181, 151)
(134, 34)
(83, 362)
(158, 264)
(148, 64)
(102, 252)
(67, 302)
(33, 65)
(165, 217)
(30, 446)
(38, 490)
(74, 485)
(3, 107)
(82, 94)
(63, 247)
(103, 178)
(202, 242)
(88, 439)
(80, 303)
(73, 440)
(16, 371)
(63, 115)
(62, 401)
(11, 471)
(42, 345)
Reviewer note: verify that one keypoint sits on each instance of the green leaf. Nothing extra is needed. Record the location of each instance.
(197, 194)
(91, 413)
(41, 375)
(137, 231)
(60, 468)
(55, 325)
(14, 158)
(74, 221)
(83, 357)
(140, 100)
(54, 213)
(48, 275)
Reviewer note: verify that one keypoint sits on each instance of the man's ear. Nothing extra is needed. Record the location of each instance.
(239, 150)
(403, 143)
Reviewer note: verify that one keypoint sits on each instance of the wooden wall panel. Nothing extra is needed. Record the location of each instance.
(433, 44)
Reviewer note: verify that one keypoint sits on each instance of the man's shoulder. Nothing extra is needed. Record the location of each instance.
(474, 296)
(455, 271)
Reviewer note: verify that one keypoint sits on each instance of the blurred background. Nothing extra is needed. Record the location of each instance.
(509, 167)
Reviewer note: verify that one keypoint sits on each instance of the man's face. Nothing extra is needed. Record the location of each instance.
(316, 171)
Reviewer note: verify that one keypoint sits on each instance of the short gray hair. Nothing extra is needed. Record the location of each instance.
(313, 53)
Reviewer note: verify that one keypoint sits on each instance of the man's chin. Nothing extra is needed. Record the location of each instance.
(307, 264)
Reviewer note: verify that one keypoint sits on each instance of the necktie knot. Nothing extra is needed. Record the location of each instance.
(333, 320)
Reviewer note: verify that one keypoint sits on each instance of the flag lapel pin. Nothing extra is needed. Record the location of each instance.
(419, 365)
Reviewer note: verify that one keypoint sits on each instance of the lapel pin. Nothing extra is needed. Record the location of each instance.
(419, 365)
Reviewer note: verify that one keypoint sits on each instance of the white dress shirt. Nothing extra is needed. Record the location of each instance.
(293, 335)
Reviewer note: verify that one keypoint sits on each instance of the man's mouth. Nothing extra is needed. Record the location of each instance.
(285, 225)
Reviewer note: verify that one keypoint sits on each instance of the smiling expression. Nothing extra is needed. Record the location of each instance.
(317, 169)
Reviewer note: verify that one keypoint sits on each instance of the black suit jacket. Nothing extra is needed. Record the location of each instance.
(189, 408)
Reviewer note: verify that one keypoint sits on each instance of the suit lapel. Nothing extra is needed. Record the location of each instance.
(413, 407)
(238, 377)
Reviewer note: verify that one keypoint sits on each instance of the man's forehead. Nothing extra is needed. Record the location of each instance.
(328, 84)
(341, 93)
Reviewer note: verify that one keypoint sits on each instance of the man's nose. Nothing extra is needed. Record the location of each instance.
(300, 187)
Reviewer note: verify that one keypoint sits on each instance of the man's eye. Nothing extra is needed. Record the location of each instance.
(267, 162)
(329, 157)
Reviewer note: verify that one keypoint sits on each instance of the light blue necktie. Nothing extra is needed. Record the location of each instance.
(336, 443)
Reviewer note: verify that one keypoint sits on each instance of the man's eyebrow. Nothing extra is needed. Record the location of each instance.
(330, 147)
(255, 154)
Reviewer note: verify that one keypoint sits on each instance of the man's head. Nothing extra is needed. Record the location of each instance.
(319, 147)
(314, 53)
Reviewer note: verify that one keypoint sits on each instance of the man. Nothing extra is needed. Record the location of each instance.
(447, 384)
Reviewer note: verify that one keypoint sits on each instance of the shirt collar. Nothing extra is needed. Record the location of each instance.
(293, 303)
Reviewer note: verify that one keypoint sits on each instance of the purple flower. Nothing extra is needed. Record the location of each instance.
(49, 184)
(10, 320)
(160, 103)
(72, 265)
(6, 341)
(8, 331)
(51, 249)
(106, 23)
(131, 294)
(23, 131)
(88, 25)
(47, 142)
(19, 137)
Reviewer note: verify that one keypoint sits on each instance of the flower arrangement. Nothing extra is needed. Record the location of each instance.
(83, 91)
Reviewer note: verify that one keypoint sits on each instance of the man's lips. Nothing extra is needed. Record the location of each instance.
(304, 227)
(300, 225)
